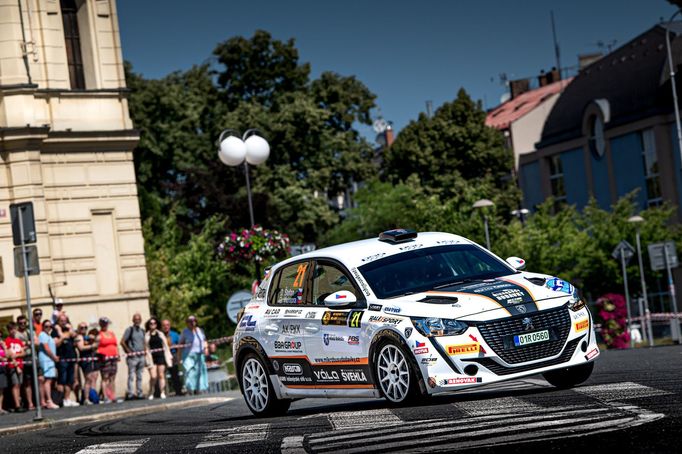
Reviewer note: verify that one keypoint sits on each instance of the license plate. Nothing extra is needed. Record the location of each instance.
(531, 338)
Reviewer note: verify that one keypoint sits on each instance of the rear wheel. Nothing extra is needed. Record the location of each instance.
(395, 377)
(257, 389)
(569, 377)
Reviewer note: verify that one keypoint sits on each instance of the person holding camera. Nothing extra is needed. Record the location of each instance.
(86, 343)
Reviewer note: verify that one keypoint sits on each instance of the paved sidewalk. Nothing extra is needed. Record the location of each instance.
(21, 422)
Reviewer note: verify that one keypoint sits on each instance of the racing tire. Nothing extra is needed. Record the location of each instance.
(568, 377)
(395, 377)
(257, 388)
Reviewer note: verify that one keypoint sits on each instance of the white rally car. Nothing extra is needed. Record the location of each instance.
(406, 315)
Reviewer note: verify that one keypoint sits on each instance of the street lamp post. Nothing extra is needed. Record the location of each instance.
(483, 203)
(671, 67)
(249, 149)
(636, 220)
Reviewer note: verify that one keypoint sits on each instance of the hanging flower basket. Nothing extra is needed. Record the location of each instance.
(613, 314)
(254, 244)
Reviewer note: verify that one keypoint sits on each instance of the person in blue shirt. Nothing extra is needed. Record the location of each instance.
(194, 357)
(172, 337)
(47, 357)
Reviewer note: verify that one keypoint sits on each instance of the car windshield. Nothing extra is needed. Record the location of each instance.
(430, 268)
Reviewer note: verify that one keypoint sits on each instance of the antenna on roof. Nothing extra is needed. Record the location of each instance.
(556, 44)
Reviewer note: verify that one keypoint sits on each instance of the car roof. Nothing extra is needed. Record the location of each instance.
(358, 253)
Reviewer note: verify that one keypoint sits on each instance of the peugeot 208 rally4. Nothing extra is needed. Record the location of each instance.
(405, 315)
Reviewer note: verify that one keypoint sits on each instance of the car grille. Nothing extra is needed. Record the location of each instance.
(557, 320)
(499, 369)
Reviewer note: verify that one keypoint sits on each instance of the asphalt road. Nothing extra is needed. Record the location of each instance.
(632, 403)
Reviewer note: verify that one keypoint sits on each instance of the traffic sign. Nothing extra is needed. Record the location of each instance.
(23, 212)
(657, 255)
(32, 263)
(238, 300)
(625, 249)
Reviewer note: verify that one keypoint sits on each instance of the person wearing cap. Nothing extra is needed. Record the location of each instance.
(58, 310)
(107, 353)
(194, 357)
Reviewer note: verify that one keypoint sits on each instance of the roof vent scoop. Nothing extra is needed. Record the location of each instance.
(397, 236)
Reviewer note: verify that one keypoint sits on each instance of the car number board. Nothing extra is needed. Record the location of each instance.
(531, 338)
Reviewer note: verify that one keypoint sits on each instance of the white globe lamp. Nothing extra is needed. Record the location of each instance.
(232, 151)
(257, 150)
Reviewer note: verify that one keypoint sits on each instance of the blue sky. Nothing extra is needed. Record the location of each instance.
(406, 52)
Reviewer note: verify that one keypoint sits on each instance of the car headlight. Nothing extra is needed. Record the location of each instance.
(431, 327)
(577, 303)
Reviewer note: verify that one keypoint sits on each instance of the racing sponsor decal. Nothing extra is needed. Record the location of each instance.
(291, 329)
(342, 359)
(361, 282)
(461, 381)
(269, 313)
(430, 361)
(335, 318)
(392, 310)
(311, 314)
(581, 325)
(510, 295)
(373, 257)
(411, 247)
(354, 319)
(375, 307)
(288, 346)
(408, 332)
(300, 274)
(462, 349)
(420, 348)
(253, 306)
(292, 369)
(580, 314)
(386, 320)
(594, 352)
(247, 324)
(328, 338)
(353, 340)
(293, 312)
(559, 285)
(480, 347)
(275, 365)
(290, 296)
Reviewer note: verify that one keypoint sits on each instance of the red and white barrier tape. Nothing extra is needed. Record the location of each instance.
(217, 341)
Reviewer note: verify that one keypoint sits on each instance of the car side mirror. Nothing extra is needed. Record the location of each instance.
(516, 263)
(340, 299)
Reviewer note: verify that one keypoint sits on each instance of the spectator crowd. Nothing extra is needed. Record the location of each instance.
(79, 366)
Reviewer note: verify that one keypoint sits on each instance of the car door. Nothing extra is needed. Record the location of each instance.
(335, 344)
(283, 335)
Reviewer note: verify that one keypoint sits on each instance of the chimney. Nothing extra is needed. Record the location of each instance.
(517, 87)
(389, 135)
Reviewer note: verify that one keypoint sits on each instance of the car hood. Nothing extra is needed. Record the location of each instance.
(516, 294)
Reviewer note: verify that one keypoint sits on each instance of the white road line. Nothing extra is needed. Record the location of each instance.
(619, 391)
(235, 435)
(116, 447)
(354, 419)
(496, 406)
(293, 445)
(452, 427)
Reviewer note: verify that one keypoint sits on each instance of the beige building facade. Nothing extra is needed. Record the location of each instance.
(66, 144)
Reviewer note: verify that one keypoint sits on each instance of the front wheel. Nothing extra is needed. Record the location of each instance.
(569, 377)
(258, 391)
(395, 377)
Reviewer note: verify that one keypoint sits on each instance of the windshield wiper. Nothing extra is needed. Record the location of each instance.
(463, 281)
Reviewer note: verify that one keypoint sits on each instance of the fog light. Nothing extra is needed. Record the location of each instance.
(471, 370)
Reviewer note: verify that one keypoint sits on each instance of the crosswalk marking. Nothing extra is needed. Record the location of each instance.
(619, 391)
(293, 445)
(116, 447)
(235, 435)
(355, 419)
(496, 406)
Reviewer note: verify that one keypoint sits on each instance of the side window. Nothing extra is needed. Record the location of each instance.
(328, 279)
(291, 286)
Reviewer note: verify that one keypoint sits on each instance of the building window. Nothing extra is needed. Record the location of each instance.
(73, 44)
(556, 181)
(651, 172)
(596, 140)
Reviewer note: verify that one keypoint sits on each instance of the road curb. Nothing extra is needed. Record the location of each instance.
(55, 423)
